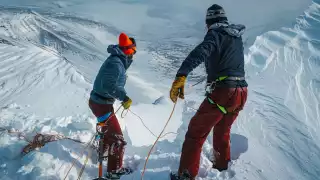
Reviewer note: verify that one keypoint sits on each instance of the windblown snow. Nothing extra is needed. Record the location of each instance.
(50, 52)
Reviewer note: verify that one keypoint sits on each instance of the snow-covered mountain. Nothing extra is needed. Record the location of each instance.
(50, 52)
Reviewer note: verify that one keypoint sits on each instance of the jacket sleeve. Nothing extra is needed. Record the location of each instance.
(111, 81)
(198, 55)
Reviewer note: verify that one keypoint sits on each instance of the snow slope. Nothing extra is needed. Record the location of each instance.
(286, 105)
(51, 50)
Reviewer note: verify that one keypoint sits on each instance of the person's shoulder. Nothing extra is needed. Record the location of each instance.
(211, 36)
(111, 62)
(113, 59)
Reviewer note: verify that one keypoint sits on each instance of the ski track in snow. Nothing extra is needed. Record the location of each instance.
(48, 62)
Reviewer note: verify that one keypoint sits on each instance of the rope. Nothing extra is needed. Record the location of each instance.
(191, 107)
(38, 141)
(113, 114)
(122, 116)
(84, 165)
(143, 123)
(148, 128)
(145, 164)
(41, 139)
(116, 111)
(75, 140)
(198, 82)
(74, 161)
(19, 134)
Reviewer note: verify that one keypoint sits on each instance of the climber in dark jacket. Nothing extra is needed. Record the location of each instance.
(226, 92)
(108, 87)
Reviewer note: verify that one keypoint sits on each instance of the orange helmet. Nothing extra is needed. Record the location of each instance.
(127, 44)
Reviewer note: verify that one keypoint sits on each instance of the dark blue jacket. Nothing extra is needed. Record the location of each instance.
(221, 51)
(111, 79)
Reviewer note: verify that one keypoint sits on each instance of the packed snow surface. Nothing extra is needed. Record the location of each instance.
(50, 52)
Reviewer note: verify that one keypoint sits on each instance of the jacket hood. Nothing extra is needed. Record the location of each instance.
(236, 30)
(114, 50)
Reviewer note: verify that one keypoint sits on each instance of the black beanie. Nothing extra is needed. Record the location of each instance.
(215, 14)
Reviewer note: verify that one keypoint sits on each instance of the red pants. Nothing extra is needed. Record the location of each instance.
(113, 138)
(210, 116)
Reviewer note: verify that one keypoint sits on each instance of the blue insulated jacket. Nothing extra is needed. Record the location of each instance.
(111, 79)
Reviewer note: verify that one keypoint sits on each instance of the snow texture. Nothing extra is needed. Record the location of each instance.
(50, 52)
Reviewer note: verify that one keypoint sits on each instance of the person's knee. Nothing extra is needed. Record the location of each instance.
(115, 140)
(197, 133)
(222, 137)
(221, 132)
(194, 142)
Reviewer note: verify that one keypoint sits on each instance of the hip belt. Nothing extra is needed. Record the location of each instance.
(211, 86)
(230, 78)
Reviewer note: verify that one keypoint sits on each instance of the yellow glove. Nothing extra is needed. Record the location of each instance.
(126, 103)
(177, 88)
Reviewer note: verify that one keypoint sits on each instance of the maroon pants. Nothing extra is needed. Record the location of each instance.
(210, 116)
(113, 138)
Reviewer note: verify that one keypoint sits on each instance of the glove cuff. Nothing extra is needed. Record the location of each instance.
(181, 75)
(126, 99)
(181, 78)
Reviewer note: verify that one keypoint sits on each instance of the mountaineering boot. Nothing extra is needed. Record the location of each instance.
(219, 165)
(116, 175)
(184, 176)
(220, 168)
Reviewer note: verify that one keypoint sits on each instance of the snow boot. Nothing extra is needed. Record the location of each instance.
(221, 166)
(116, 175)
(185, 176)
(218, 164)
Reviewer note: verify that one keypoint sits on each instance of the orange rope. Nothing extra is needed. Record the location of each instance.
(145, 164)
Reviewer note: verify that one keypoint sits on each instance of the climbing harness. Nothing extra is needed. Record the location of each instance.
(222, 109)
(210, 87)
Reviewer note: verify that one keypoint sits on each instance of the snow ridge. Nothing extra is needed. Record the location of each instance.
(48, 62)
